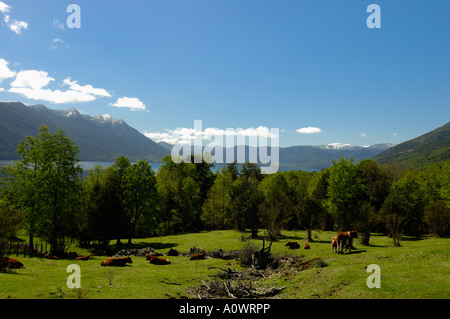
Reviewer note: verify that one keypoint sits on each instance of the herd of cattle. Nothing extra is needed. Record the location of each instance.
(343, 241)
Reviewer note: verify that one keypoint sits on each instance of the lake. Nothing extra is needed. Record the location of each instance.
(86, 165)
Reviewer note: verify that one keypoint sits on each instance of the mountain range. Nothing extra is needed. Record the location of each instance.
(103, 138)
(100, 138)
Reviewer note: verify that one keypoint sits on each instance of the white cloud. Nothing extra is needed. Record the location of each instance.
(57, 43)
(2, 89)
(4, 7)
(129, 102)
(5, 72)
(57, 96)
(309, 130)
(363, 134)
(86, 89)
(14, 25)
(187, 135)
(32, 83)
(32, 79)
(395, 134)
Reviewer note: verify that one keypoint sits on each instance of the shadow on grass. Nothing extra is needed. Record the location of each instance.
(357, 251)
(153, 245)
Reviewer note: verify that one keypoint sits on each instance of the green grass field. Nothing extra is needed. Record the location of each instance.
(418, 269)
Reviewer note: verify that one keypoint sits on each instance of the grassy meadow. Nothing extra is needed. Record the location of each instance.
(417, 269)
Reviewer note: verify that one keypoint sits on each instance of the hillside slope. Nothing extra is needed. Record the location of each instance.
(421, 151)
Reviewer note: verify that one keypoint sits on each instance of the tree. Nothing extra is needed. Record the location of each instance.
(437, 217)
(307, 207)
(205, 179)
(245, 200)
(104, 216)
(217, 203)
(140, 196)
(10, 223)
(445, 183)
(344, 194)
(376, 183)
(277, 204)
(46, 184)
(180, 193)
(318, 190)
(403, 205)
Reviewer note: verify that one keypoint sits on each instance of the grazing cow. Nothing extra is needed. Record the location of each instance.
(198, 256)
(83, 257)
(292, 245)
(334, 245)
(306, 246)
(117, 262)
(51, 257)
(12, 263)
(342, 241)
(352, 235)
(157, 260)
(345, 241)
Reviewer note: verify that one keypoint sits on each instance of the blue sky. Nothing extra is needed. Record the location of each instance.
(290, 65)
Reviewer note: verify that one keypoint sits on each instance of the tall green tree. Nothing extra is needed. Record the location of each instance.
(245, 198)
(179, 188)
(140, 196)
(344, 193)
(377, 182)
(276, 205)
(445, 183)
(104, 215)
(46, 184)
(404, 205)
(217, 204)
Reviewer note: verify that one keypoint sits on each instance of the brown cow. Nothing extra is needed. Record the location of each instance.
(12, 263)
(292, 245)
(345, 241)
(117, 262)
(306, 246)
(51, 257)
(334, 245)
(352, 235)
(157, 260)
(84, 257)
(342, 239)
(198, 256)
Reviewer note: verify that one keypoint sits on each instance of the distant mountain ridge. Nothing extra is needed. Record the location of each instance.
(309, 157)
(432, 147)
(103, 138)
(99, 138)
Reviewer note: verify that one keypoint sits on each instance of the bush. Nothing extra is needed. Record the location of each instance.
(246, 253)
(437, 217)
(320, 264)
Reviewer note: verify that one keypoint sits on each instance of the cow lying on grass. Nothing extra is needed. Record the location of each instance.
(198, 256)
(292, 245)
(51, 257)
(83, 257)
(157, 260)
(11, 263)
(117, 262)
